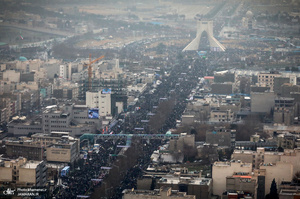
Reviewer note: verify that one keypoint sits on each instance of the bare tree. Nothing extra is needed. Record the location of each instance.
(251, 125)
(163, 111)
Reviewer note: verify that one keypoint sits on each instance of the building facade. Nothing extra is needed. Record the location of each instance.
(221, 170)
(23, 173)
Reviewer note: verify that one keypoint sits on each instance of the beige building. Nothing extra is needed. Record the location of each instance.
(288, 190)
(23, 172)
(5, 109)
(45, 139)
(187, 119)
(11, 75)
(221, 170)
(267, 80)
(162, 193)
(29, 65)
(242, 182)
(263, 157)
(221, 116)
(287, 141)
(29, 85)
(280, 171)
(198, 186)
(253, 157)
(63, 151)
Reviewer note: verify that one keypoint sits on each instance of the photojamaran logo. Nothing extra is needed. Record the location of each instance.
(9, 192)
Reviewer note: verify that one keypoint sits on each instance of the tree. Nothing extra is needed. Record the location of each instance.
(273, 191)
(189, 152)
(251, 125)
(153, 183)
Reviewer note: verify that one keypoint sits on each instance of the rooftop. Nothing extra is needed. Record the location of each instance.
(228, 164)
(171, 179)
(157, 192)
(31, 164)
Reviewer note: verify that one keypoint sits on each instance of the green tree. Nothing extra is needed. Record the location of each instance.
(153, 183)
(273, 191)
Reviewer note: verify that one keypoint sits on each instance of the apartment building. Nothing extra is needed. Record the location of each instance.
(222, 116)
(267, 79)
(66, 150)
(101, 100)
(221, 170)
(200, 187)
(26, 148)
(260, 156)
(284, 111)
(23, 173)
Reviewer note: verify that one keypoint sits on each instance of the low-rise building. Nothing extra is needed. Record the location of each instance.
(242, 183)
(267, 79)
(200, 187)
(46, 139)
(221, 170)
(221, 137)
(22, 126)
(280, 171)
(284, 111)
(162, 193)
(66, 150)
(23, 173)
(263, 157)
(225, 116)
(26, 148)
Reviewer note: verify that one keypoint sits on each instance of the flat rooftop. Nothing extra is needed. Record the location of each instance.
(31, 164)
(170, 179)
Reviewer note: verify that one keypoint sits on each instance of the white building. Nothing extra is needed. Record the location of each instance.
(101, 100)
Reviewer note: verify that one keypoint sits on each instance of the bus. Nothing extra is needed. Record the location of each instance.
(65, 171)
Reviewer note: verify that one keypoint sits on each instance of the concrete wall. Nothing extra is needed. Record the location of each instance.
(262, 102)
(27, 175)
(281, 171)
(221, 170)
(11, 75)
(241, 184)
(5, 174)
(58, 155)
(187, 119)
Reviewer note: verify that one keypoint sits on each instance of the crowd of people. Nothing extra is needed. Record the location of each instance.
(88, 174)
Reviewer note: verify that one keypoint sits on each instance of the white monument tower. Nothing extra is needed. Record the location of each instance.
(205, 26)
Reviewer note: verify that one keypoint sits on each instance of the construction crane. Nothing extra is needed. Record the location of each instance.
(90, 71)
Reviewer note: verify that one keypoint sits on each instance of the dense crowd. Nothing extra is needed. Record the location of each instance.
(176, 86)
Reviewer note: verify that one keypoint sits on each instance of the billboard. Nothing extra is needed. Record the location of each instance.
(106, 91)
(93, 113)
